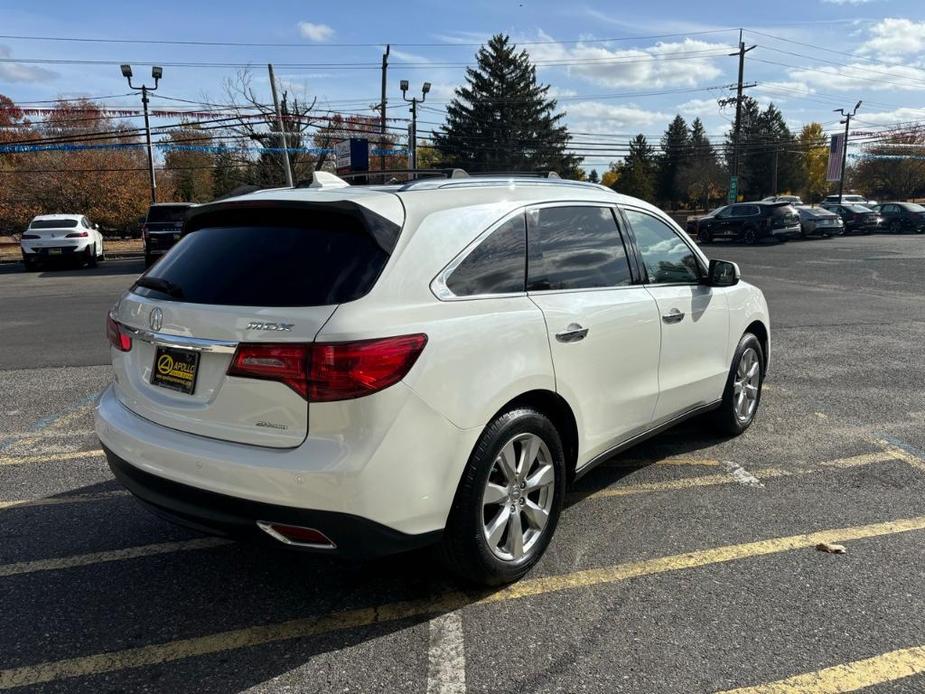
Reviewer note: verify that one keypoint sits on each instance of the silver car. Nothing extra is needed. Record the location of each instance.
(817, 221)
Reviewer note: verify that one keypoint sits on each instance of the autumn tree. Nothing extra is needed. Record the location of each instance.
(189, 163)
(893, 168)
(815, 161)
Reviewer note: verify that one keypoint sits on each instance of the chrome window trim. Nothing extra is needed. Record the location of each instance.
(180, 342)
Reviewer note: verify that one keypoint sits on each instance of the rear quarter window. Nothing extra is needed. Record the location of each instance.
(497, 265)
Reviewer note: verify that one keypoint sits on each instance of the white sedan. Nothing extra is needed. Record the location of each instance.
(59, 236)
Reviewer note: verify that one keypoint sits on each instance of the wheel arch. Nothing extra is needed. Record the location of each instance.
(554, 406)
(760, 330)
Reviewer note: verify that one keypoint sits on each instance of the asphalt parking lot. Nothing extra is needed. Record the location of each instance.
(688, 564)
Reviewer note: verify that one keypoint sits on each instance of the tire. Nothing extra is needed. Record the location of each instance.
(895, 227)
(466, 549)
(91, 258)
(750, 236)
(704, 237)
(727, 417)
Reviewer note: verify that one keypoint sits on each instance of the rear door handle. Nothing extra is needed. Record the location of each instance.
(673, 316)
(572, 333)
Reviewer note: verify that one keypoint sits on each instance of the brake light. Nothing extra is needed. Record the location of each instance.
(77, 235)
(118, 337)
(325, 372)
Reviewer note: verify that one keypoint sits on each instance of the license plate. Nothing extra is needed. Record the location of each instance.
(54, 251)
(175, 369)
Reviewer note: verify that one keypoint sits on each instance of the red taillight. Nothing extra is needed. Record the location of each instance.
(117, 335)
(274, 362)
(77, 235)
(324, 372)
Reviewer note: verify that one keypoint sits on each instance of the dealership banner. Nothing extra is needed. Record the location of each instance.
(836, 152)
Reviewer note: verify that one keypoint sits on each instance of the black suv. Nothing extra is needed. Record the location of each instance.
(162, 227)
(747, 221)
(902, 216)
(857, 218)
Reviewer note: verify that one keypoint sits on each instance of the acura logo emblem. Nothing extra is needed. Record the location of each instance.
(156, 318)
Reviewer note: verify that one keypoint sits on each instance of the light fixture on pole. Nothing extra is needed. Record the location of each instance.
(156, 72)
(844, 154)
(413, 138)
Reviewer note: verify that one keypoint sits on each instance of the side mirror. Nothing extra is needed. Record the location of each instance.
(723, 273)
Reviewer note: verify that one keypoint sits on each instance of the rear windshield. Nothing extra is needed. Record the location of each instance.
(167, 213)
(271, 265)
(912, 207)
(858, 208)
(781, 210)
(53, 223)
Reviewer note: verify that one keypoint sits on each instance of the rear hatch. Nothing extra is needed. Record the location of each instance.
(163, 226)
(50, 232)
(784, 216)
(272, 272)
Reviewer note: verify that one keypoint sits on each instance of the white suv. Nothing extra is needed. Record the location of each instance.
(60, 236)
(362, 370)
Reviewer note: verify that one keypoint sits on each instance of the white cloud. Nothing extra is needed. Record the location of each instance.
(594, 116)
(856, 77)
(892, 37)
(699, 107)
(19, 72)
(407, 57)
(900, 115)
(685, 63)
(781, 92)
(315, 32)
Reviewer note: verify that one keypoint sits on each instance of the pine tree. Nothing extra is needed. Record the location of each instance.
(501, 119)
(593, 177)
(637, 172)
(674, 150)
(700, 178)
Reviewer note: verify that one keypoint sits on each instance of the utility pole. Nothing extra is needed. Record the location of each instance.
(737, 129)
(156, 72)
(282, 129)
(844, 154)
(382, 105)
(413, 133)
(774, 169)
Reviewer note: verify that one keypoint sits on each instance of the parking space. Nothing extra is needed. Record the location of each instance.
(686, 564)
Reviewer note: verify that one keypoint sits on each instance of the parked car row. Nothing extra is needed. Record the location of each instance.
(784, 216)
(72, 237)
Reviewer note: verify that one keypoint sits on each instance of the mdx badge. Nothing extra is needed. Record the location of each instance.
(272, 327)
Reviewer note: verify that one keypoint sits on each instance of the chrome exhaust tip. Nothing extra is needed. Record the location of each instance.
(297, 535)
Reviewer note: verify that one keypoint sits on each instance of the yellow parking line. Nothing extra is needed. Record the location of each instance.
(154, 654)
(903, 455)
(50, 457)
(28, 567)
(67, 499)
(760, 473)
(849, 677)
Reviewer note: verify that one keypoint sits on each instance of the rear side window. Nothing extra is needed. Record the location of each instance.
(497, 265)
(305, 259)
(167, 213)
(53, 223)
(575, 248)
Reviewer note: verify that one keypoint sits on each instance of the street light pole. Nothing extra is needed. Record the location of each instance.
(413, 136)
(156, 72)
(844, 154)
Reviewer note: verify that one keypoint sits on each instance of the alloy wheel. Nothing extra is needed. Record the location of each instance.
(746, 385)
(518, 497)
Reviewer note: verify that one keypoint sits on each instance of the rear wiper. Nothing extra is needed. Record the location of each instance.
(161, 285)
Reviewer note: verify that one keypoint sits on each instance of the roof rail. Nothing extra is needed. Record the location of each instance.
(517, 174)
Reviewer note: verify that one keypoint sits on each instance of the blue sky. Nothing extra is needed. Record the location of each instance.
(812, 56)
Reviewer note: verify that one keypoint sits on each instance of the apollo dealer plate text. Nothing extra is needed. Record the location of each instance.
(175, 369)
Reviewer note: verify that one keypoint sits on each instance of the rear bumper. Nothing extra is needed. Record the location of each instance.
(229, 516)
(62, 249)
(787, 232)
